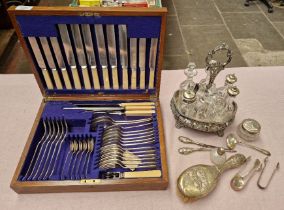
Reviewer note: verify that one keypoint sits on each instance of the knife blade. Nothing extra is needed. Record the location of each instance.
(152, 61)
(142, 61)
(123, 54)
(60, 61)
(87, 35)
(40, 62)
(81, 54)
(133, 61)
(70, 54)
(50, 61)
(102, 54)
(112, 54)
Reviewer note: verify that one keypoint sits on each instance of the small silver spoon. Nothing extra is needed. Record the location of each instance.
(239, 182)
(232, 141)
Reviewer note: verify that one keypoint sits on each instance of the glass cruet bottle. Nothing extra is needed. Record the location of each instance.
(187, 87)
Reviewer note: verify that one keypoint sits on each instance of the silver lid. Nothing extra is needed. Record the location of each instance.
(189, 96)
(233, 91)
(251, 126)
(231, 78)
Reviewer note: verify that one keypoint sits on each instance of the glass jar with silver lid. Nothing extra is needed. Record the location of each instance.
(249, 129)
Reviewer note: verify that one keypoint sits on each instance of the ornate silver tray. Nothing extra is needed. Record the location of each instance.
(210, 127)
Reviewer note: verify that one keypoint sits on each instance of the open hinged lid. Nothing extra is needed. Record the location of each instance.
(93, 51)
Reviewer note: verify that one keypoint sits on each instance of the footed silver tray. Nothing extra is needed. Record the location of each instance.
(210, 127)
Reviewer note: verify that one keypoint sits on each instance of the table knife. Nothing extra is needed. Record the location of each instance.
(142, 61)
(70, 54)
(112, 54)
(60, 61)
(123, 54)
(40, 62)
(132, 174)
(91, 54)
(81, 54)
(133, 61)
(50, 61)
(102, 54)
(152, 62)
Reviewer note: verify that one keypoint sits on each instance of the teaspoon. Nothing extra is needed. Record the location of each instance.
(232, 141)
(239, 182)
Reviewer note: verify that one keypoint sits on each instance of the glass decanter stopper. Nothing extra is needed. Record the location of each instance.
(190, 72)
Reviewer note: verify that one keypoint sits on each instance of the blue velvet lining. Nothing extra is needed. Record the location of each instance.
(79, 126)
(45, 26)
(137, 27)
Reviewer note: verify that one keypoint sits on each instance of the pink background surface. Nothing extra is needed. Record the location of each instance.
(261, 98)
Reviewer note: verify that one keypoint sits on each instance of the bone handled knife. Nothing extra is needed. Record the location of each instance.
(81, 55)
(60, 61)
(142, 61)
(102, 54)
(70, 54)
(87, 35)
(40, 62)
(112, 54)
(133, 62)
(50, 61)
(123, 54)
(152, 62)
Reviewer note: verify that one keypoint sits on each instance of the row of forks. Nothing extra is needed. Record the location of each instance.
(46, 153)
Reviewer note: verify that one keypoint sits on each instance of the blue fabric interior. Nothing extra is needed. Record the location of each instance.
(137, 27)
(79, 126)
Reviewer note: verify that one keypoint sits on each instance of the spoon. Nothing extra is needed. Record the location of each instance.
(189, 150)
(239, 182)
(186, 140)
(232, 141)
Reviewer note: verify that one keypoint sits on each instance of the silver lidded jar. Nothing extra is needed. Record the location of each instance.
(249, 130)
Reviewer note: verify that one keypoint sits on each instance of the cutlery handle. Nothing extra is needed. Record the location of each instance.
(47, 79)
(151, 78)
(139, 113)
(76, 78)
(106, 77)
(186, 140)
(124, 78)
(96, 80)
(115, 77)
(143, 174)
(57, 79)
(142, 78)
(86, 77)
(189, 150)
(133, 79)
(129, 108)
(137, 104)
(233, 162)
(263, 151)
(66, 78)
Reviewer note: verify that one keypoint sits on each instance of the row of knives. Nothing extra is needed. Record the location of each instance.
(90, 68)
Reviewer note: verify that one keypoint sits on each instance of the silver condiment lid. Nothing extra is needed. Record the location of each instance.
(233, 91)
(231, 78)
(189, 96)
(251, 126)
